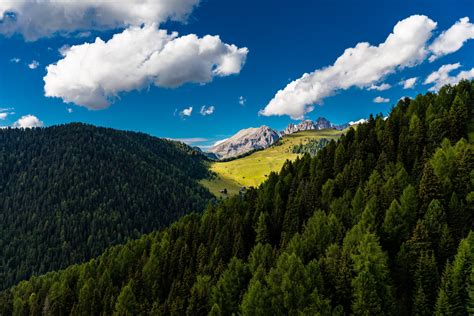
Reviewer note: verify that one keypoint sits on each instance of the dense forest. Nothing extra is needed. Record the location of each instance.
(310, 147)
(378, 223)
(69, 192)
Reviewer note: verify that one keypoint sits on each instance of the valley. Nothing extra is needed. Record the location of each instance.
(252, 170)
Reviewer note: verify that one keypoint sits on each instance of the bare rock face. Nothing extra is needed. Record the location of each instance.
(323, 123)
(244, 141)
(307, 125)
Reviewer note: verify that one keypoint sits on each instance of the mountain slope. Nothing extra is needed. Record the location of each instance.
(69, 192)
(245, 141)
(377, 223)
(253, 169)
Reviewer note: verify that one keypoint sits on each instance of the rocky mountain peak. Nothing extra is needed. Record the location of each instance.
(244, 141)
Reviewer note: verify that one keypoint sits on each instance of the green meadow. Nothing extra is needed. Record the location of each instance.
(253, 169)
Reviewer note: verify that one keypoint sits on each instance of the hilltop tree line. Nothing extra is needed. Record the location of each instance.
(378, 223)
(311, 147)
(69, 192)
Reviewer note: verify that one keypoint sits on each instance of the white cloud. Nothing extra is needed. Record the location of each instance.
(94, 74)
(360, 66)
(39, 18)
(441, 76)
(33, 65)
(186, 112)
(381, 100)
(207, 110)
(5, 112)
(452, 39)
(15, 60)
(242, 100)
(409, 83)
(382, 87)
(28, 121)
(70, 110)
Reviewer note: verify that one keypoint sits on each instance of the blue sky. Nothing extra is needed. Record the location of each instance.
(285, 39)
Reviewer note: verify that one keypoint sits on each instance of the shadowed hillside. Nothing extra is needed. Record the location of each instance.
(69, 192)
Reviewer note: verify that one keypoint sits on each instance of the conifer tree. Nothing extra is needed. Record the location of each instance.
(458, 115)
(261, 229)
(126, 302)
(430, 187)
(426, 283)
(372, 290)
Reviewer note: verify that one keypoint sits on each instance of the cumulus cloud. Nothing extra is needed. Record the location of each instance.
(28, 121)
(15, 60)
(409, 83)
(360, 66)
(69, 110)
(3, 116)
(186, 112)
(242, 100)
(452, 39)
(381, 100)
(33, 65)
(442, 76)
(39, 18)
(381, 87)
(207, 110)
(94, 74)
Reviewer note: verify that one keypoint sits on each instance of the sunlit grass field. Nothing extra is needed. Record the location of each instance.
(253, 169)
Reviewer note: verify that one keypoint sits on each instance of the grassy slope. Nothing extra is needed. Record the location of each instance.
(253, 169)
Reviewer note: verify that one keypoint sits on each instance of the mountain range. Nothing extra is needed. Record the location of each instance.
(256, 138)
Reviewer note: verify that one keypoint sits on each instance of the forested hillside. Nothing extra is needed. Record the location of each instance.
(69, 192)
(378, 223)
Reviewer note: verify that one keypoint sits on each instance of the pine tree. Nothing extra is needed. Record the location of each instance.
(215, 311)
(426, 283)
(261, 229)
(289, 285)
(256, 300)
(126, 304)
(395, 226)
(229, 290)
(453, 296)
(199, 297)
(358, 205)
(409, 206)
(458, 117)
(430, 187)
(372, 286)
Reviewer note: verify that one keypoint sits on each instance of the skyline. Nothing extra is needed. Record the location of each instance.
(215, 78)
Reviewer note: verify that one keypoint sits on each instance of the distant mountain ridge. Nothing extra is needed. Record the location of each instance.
(250, 139)
(306, 125)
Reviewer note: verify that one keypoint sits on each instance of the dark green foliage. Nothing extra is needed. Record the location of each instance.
(368, 237)
(311, 147)
(69, 192)
(455, 293)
